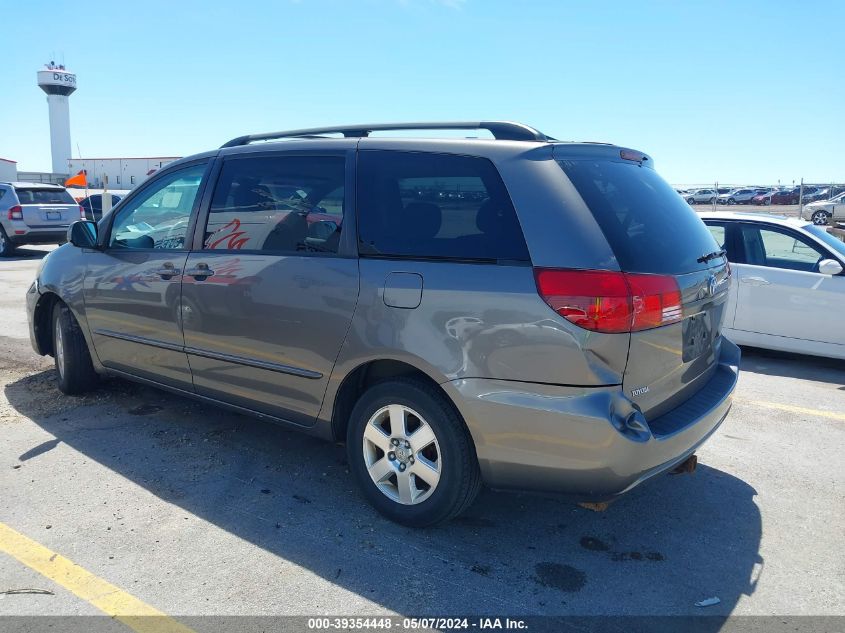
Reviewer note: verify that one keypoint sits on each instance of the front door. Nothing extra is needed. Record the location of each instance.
(132, 287)
(266, 303)
(780, 289)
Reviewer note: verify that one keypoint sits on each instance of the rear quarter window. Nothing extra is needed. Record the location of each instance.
(649, 227)
(435, 206)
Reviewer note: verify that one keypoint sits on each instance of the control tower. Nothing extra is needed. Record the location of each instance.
(59, 84)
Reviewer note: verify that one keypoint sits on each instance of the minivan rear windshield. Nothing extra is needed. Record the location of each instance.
(650, 228)
(44, 196)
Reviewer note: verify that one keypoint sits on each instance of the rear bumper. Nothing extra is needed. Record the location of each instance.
(575, 441)
(38, 236)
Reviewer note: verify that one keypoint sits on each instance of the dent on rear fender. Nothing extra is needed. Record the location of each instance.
(476, 320)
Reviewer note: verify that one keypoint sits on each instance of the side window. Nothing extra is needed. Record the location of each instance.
(159, 216)
(278, 204)
(779, 249)
(440, 206)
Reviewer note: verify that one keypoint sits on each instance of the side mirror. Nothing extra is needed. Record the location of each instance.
(83, 234)
(830, 267)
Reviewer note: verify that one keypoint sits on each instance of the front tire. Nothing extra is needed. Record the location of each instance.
(75, 371)
(411, 454)
(731, 201)
(6, 246)
(819, 218)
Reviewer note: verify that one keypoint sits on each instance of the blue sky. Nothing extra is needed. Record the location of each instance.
(743, 92)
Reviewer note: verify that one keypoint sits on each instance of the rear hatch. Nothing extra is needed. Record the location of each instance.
(677, 275)
(47, 207)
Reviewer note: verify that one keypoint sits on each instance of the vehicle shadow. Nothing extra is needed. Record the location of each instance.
(669, 543)
(789, 365)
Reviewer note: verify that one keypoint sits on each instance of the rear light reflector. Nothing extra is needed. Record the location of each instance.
(16, 212)
(609, 301)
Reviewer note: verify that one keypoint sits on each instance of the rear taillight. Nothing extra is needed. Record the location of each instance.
(16, 212)
(82, 212)
(609, 301)
(656, 299)
(592, 299)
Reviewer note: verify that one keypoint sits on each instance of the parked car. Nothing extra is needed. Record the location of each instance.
(824, 211)
(762, 195)
(814, 194)
(783, 196)
(454, 343)
(737, 196)
(92, 206)
(789, 293)
(699, 196)
(34, 213)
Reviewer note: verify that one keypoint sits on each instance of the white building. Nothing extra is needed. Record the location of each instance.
(8, 170)
(118, 173)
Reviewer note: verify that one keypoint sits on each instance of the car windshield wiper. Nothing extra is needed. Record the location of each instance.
(706, 258)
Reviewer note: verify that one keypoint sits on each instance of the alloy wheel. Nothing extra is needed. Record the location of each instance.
(401, 454)
(819, 218)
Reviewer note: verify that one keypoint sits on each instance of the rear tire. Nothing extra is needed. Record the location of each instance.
(75, 371)
(6, 246)
(439, 469)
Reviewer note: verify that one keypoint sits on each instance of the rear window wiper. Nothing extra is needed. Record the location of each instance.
(706, 258)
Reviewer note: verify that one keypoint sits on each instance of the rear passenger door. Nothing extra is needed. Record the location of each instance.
(267, 300)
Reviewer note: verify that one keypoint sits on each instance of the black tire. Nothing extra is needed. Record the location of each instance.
(690, 201)
(6, 246)
(820, 218)
(460, 477)
(731, 201)
(767, 201)
(74, 369)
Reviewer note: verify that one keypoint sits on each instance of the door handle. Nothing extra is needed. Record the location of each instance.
(167, 271)
(200, 272)
(755, 281)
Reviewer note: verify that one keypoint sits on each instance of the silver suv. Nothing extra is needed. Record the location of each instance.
(34, 213)
(522, 312)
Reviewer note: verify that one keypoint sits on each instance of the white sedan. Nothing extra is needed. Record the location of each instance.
(788, 290)
(823, 210)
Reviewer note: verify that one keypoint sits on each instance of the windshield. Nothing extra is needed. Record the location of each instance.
(44, 196)
(833, 243)
(641, 217)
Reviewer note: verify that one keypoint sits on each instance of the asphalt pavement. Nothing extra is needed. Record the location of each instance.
(192, 510)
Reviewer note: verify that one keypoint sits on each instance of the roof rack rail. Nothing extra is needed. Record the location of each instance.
(501, 130)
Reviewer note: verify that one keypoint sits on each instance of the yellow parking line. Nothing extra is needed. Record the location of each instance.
(112, 600)
(833, 415)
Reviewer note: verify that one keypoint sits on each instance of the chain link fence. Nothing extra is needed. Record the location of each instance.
(786, 199)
